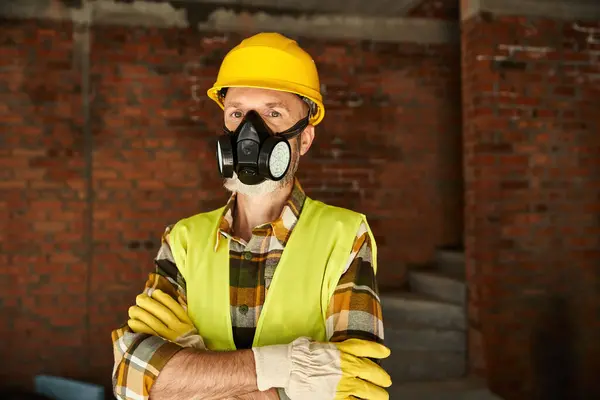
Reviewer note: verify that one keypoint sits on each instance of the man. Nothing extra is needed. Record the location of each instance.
(273, 295)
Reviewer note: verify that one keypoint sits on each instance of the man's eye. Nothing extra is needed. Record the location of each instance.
(237, 114)
(274, 114)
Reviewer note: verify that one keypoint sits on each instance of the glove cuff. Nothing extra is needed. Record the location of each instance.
(273, 366)
(191, 339)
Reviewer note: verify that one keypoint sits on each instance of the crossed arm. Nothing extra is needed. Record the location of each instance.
(225, 375)
(151, 367)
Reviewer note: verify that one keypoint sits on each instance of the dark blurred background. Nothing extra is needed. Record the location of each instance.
(468, 133)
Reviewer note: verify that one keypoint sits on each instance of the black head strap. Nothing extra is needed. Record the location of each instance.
(288, 134)
(295, 130)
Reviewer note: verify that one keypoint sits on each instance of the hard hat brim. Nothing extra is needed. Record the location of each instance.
(278, 85)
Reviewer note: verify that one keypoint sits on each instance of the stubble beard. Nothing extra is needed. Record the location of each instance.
(234, 185)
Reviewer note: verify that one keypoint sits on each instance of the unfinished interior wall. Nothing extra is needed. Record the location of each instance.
(531, 95)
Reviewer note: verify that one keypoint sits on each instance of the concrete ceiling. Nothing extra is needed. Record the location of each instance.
(371, 8)
(361, 8)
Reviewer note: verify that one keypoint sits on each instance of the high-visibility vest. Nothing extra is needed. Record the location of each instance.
(296, 303)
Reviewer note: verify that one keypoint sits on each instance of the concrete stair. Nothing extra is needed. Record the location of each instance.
(439, 285)
(408, 309)
(451, 261)
(426, 329)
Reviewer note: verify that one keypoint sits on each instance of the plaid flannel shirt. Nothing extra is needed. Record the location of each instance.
(353, 312)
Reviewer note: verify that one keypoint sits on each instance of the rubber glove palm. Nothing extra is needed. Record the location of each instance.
(159, 314)
(324, 371)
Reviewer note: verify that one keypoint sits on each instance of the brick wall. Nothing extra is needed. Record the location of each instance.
(42, 203)
(531, 95)
(389, 147)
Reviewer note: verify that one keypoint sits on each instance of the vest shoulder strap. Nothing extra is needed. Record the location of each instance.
(201, 229)
(328, 217)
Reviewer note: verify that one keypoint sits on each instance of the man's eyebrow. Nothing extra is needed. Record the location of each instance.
(275, 104)
(278, 104)
(234, 104)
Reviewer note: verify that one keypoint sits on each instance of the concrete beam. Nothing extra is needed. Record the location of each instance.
(385, 8)
(220, 18)
(412, 30)
(588, 10)
(139, 13)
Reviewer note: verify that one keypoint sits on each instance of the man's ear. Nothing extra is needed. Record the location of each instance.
(306, 138)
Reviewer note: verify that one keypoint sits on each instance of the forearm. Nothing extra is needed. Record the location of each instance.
(192, 375)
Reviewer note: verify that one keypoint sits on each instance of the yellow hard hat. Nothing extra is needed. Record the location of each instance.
(271, 61)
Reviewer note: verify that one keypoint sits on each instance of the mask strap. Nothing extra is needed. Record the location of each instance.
(288, 134)
(295, 130)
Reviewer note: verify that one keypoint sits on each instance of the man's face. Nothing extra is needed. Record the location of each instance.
(280, 111)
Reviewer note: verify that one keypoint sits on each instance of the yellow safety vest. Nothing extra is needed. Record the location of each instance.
(311, 265)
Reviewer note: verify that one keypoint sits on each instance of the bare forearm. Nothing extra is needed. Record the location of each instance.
(193, 375)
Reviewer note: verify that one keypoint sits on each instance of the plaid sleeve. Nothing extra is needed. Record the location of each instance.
(139, 358)
(354, 309)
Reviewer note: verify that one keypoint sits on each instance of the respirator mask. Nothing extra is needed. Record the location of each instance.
(254, 152)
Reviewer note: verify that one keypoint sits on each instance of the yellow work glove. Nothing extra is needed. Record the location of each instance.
(159, 314)
(324, 371)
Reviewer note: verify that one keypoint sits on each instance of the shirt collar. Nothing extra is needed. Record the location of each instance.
(282, 226)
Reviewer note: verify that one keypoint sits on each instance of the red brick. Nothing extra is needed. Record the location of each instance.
(523, 248)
